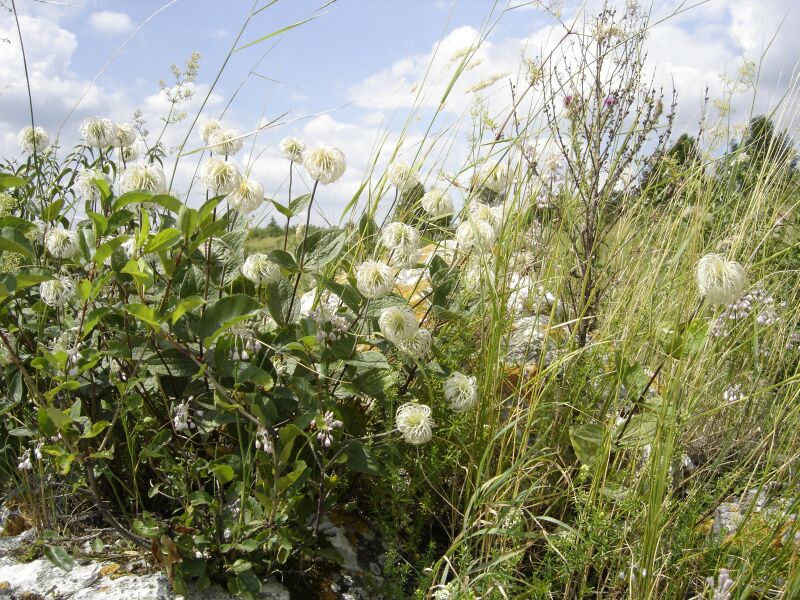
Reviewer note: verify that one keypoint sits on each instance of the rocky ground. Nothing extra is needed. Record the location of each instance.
(89, 579)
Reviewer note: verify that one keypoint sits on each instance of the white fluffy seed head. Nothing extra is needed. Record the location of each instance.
(491, 214)
(247, 196)
(399, 237)
(143, 178)
(475, 234)
(324, 164)
(461, 391)
(84, 183)
(721, 281)
(437, 203)
(494, 177)
(57, 292)
(226, 142)
(258, 268)
(398, 324)
(125, 135)
(220, 177)
(374, 279)
(414, 422)
(402, 175)
(209, 127)
(292, 149)
(418, 345)
(31, 139)
(61, 243)
(98, 132)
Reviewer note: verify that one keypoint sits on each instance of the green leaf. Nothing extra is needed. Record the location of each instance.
(360, 459)
(97, 428)
(100, 223)
(106, 249)
(222, 314)
(369, 359)
(284, 259)
(144, 313)
(255, 375)
(284, 210)
(131, 198)
(587, 440)
(162, 240)
(171, 203)
(59, 557)
(87, 241)
(140, 271)
(11, 181)
(52, 210)
(224, 473)
(186, 305)
(325, 247)
(93, 318)
(14, 240)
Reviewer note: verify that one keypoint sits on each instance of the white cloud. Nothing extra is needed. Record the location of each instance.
(108, 22)
(54, 87)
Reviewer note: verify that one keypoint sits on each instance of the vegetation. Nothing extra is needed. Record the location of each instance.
(551, 374)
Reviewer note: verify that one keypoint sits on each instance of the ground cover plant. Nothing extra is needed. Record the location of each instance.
(566, 369)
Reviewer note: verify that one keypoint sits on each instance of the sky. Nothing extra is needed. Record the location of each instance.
(349, 74)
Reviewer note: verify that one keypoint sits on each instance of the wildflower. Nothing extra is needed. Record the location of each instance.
(722, 590)
(398, 324)
(405, 257)
(147, 178)
(247, 197)
(292, 149)
(225, 141)
(61, 243)
(129, 153)
(461, 392)
(209, 127)
(494, 177)
(33, 140)
(491, 214)
(399, 235)
(125, 136)
(437, 203)
(325, 427)
(264, 440)
(37, 233)
(57, 292)
(25, 463)
(574, 106)
(258, 268)
(414, 422)
(733, 393)
(98, 132)
(610, 100)
(244, 342)
(475, 233)
(324, 164)
(374, 279)
(720, 280)
(221, 177)
(84, 183)
(7, 204)
(403, 176)
(182, 420)
(339, 325)
(418, 345)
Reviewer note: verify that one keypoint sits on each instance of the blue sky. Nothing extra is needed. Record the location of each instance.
(357, 62)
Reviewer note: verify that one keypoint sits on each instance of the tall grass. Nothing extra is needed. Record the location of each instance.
(596, 466)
